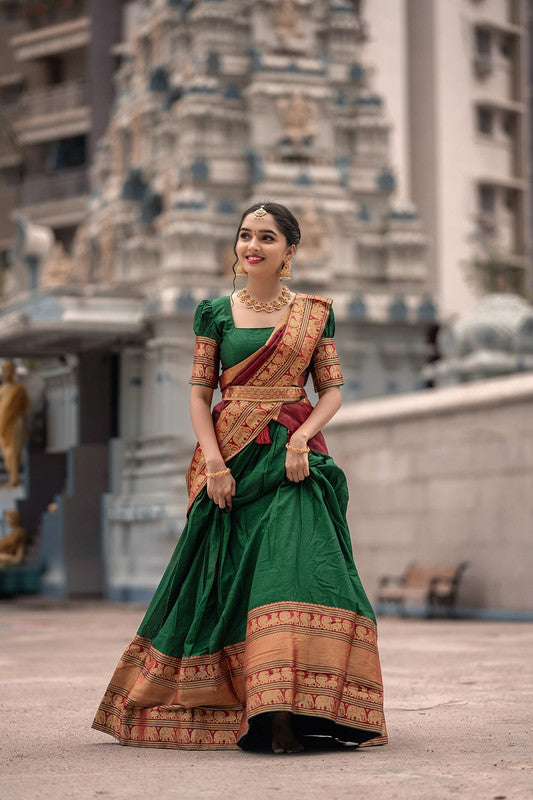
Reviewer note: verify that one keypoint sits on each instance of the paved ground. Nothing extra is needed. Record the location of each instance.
(459, 711)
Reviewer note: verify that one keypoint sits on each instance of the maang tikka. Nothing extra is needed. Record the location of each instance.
(260, 212)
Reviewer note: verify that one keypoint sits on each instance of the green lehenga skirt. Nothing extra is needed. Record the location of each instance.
(260, 609)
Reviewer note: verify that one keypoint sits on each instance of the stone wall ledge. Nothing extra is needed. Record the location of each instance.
(486, 394)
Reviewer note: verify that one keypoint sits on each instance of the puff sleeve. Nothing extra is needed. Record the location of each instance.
(206, 348)
(325, 366)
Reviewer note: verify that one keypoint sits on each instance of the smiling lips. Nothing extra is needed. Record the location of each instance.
(254, 259)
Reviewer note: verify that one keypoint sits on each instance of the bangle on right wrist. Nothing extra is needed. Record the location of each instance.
(218, 473)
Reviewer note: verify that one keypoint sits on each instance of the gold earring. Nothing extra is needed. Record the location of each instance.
(285, 271)
(239, 269)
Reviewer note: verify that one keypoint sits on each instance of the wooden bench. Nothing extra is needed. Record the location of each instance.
(433, 587)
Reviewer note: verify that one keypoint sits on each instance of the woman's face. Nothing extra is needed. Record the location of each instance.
(261, 247)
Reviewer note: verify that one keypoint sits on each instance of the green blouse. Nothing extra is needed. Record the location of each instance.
(213, 319)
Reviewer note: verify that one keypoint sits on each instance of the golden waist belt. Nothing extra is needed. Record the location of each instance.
(265, 394)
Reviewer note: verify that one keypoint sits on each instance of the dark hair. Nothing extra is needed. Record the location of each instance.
(285, 220)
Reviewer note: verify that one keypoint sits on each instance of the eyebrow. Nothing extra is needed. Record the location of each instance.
(264, 230)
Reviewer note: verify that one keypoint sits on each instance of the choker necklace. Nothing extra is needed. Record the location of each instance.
(252, 302)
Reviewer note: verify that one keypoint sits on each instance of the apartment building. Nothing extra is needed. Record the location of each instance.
(456, 73)
(56, 89)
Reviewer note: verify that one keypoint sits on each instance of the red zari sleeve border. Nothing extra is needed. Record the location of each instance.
(205, 363)
(325, 366)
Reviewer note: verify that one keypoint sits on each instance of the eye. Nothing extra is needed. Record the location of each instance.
(244, 235)
(268, 238)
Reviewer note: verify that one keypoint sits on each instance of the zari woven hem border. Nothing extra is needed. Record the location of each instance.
(311, 660)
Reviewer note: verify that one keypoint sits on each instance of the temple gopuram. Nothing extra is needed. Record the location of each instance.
(218, 103)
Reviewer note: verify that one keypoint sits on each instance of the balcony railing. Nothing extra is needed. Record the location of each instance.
(52, 12)
(55, 100)
(60, 185)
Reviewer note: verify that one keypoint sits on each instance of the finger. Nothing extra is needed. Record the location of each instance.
(295, 473)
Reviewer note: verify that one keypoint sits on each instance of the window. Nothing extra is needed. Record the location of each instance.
(507, 46)
(509, 123)
(485, 120)
(487, 198)
(482, 54)
(510, 198)
(10, 11)
(483, 42)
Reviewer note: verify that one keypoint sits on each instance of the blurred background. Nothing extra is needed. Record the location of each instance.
(133, 134)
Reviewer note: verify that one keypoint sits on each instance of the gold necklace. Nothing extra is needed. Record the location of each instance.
(255, 304)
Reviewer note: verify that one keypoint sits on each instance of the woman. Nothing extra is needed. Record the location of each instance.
(260, 629)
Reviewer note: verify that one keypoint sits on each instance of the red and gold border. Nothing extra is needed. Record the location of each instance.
(308, 659)
(205, 362)
(325, 366)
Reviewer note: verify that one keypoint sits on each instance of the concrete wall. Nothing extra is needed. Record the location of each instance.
(441, 477)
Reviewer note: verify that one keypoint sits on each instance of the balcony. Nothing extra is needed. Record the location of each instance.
(57, 112)
(483, 65)
(52, 29)
(57, 199)
(39, 15)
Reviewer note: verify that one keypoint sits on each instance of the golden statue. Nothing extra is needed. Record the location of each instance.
(14, 406)
(12, 546)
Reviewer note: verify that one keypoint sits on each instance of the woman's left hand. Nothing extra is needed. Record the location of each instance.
(297, 464)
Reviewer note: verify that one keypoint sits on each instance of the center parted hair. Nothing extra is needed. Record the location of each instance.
(285, 220)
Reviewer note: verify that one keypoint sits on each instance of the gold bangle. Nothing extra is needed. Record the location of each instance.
(297, 449)
(219, 473)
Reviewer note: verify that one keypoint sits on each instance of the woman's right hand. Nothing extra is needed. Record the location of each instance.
(222, 490)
